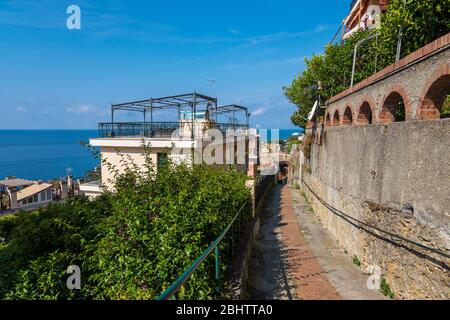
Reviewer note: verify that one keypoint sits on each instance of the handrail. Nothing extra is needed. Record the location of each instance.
(181, 280)
(163, 129)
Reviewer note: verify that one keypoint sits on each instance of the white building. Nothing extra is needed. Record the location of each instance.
(189, 138)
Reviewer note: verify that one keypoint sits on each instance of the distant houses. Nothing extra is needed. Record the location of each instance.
(18, 194)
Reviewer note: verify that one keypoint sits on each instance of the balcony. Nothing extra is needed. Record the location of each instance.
(163, 130)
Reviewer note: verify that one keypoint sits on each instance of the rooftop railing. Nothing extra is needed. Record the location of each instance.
(161, 130)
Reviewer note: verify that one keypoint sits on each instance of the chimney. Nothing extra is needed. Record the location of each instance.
(63, 186)
(70, 183)
(12, 192)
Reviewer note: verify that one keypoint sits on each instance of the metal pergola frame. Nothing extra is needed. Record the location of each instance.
(193, 100)
(232, 109)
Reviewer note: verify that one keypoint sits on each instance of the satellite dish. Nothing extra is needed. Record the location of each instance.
(313, 111)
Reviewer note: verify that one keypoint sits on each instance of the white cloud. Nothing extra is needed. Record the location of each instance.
(285, 35)
(236, 32)
(21, 109)
(259, 112)
(80, 109)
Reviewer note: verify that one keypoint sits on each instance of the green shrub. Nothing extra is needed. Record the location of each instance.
(385, 289)
(356, 261)
(445, 113)
(129, 245)
(7, 224)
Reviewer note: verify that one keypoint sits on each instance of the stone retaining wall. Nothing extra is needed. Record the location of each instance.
(395, 177)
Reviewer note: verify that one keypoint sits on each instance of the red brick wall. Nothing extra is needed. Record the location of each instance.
(434, 93)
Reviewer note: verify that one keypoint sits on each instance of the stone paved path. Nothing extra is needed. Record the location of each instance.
(282, 265)
(287, 265)
(349, 281)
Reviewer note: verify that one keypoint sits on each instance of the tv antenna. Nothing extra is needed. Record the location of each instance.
(211, 81)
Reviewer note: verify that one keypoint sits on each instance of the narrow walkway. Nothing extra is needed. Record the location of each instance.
(295, 258)
(282, 265)
(349, 281)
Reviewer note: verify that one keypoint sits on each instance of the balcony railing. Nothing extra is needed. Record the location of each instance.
(161, 130)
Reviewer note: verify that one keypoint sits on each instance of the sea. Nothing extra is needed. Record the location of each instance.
(45, 154)
(49, 154)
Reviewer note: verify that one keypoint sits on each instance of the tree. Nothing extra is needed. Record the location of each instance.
(333, 70)
(421, 22)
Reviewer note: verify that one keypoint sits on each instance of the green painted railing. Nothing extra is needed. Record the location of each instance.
(171, 291)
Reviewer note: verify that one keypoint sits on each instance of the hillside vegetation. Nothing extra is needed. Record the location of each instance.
(130, 244)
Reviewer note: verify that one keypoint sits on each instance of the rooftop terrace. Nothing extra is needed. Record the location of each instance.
(193, 114)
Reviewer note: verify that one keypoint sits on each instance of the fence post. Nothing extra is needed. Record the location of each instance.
(232, 240)
(217, 254)
(251, 184)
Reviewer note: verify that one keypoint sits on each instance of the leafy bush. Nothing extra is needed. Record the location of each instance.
(385, 289)
(38, 237)
(7, 224)
(421, 21)
(130, 244)
(445, 113)
(356, 261)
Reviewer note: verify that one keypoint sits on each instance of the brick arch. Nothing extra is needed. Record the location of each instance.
(336, 120)
(366, 112)
(347, 116)
(396, 95)
(434, 93)
(327, 119)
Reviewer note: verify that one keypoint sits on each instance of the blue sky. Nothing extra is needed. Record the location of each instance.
(54, 78)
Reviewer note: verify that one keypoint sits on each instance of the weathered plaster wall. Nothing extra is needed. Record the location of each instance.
(117, 156)
(395, 177)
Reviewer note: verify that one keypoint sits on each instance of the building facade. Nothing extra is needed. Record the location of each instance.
(364, 14)
(195, 136)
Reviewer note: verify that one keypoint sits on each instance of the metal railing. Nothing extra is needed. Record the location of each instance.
(172, 290)
(263, 183)
(160, 129)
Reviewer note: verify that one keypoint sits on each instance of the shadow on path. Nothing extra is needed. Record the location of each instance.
(268, 275)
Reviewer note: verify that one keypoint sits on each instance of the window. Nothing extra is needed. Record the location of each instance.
(49, 194)
(35, 198)
(162, 159)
